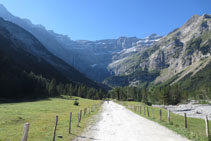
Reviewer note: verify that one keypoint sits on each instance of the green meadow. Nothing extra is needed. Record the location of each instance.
(41, 115)
(195, 130)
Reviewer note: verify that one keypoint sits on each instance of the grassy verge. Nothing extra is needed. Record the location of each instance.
(195, 130)
(41, 115)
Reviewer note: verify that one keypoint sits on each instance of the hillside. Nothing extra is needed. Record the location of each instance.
(199, 84)
(25, 64)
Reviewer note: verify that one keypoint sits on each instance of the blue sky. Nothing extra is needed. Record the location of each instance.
(106, 19)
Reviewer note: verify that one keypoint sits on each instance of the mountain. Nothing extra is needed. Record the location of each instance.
(98, 56)
(184, 51)
(22, 55)
(96, 59)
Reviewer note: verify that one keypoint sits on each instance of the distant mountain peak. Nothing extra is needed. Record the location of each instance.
(4, 11)
(153, 36)
(3, 8)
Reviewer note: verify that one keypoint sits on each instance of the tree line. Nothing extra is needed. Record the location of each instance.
(165, 95)
(31, 86)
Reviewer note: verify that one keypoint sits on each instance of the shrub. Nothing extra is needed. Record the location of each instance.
(148, 103)
(76, 102)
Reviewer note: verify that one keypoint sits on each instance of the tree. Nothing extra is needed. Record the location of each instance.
(144, 96)
(52, 88)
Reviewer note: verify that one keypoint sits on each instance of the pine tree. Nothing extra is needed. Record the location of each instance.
(52, 88)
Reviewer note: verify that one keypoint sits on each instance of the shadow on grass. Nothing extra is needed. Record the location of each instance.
(65, 97)
(4, 101)
(209, 138)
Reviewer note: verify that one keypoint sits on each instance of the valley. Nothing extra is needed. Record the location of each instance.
(45, 73)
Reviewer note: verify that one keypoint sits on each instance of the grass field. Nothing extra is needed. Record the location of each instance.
(41, 115)
(195, 130)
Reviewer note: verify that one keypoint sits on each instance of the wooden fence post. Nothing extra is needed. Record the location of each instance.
(144, 109)
(152, 112)
(147, 111)
(89, 109)
(186, 125)
(84, 111)
(80, 115)
(169, 118)
(78, 119)
(70, 123)
(140, 109)
(160, 114)
(25, 131)
(207, 126)
(54, 132)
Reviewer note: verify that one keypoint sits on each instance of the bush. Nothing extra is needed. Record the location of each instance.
(130, 99)
(76, 102)
(148, 103)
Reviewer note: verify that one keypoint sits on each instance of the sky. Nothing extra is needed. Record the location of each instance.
(108, 19)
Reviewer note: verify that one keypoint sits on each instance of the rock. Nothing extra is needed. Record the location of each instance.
(197, 112)
(60, 136)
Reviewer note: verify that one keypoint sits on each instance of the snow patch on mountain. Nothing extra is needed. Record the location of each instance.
(94, 65)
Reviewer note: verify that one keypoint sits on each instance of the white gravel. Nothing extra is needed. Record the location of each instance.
(119, 124)
(192, 109)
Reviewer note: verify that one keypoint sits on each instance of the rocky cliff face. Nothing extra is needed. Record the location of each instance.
(94, 58)
(126, 60)
(183, 51)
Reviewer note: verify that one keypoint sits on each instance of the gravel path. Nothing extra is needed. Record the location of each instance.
(119, 124)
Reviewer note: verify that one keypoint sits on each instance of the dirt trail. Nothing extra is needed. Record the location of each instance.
(119, 124)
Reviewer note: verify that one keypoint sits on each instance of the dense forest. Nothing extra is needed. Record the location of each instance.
(159, 95)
